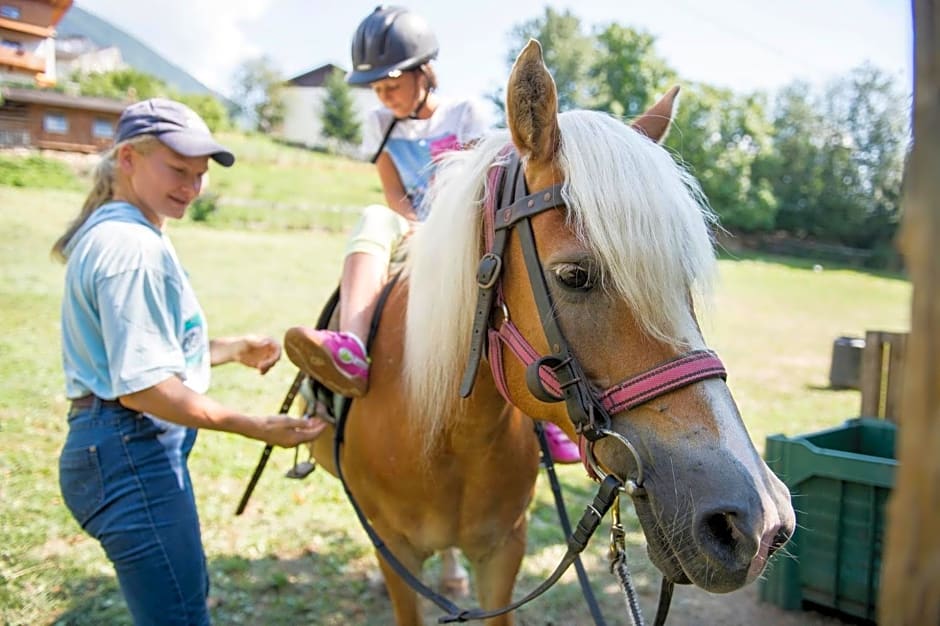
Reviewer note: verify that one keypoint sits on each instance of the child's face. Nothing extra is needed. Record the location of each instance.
(400, 94)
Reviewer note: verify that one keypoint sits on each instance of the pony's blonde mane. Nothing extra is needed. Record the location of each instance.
(629, 202)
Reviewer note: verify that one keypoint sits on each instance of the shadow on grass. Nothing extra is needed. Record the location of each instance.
(812, 387)
(335, 583)
(312, 589)
(93, 600)
(806, 264)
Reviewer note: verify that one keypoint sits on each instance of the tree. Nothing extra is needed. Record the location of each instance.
(134, 85)
(339, 113)
(497, 99)
(872, 115)
(258, 94)
(123, 84)
(626, 74)
(721, 137)
(568, 54)
(794, 166)
(820, 165)
(838, 159)
(209, 108)
(617, 70)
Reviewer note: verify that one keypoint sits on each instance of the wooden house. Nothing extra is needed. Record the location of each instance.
(27, 39)
(51, 120)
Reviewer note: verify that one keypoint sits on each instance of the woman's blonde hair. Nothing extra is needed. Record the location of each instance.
(102, 189)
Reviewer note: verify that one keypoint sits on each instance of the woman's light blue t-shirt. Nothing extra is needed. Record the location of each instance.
(130, 318)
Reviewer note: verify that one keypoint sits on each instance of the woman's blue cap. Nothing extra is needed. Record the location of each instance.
(176, 126)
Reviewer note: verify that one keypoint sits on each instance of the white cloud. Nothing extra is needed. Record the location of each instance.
(204, 37)
(740, 44)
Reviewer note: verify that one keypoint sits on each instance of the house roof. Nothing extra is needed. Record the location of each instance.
(39, 29)
(55, 98)
(59, 8)
(317, 77)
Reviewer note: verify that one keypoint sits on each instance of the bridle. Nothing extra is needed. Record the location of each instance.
(558, 376)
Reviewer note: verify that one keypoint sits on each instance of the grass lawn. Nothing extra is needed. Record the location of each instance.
(280, 187)
(297, 555)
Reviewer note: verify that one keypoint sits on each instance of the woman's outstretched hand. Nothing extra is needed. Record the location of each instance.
(254, 351)
(287, 432)
(258, 352)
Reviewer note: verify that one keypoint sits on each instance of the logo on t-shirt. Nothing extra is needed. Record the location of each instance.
(193, 340)
(442, 145)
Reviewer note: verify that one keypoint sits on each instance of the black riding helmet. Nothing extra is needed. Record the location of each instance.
(389, 41)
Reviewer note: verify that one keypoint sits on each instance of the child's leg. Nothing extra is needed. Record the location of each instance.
(365, 269)
(339, 359)
(364, 275)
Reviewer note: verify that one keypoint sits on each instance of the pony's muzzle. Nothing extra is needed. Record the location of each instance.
(728, 536)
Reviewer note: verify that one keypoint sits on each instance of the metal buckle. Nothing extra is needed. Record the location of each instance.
(491, 266)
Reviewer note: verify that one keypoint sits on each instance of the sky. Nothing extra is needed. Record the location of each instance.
(739, 44)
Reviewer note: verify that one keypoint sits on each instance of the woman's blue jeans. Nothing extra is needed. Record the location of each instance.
(120, 484)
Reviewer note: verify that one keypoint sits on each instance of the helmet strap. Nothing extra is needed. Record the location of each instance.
(424, 100)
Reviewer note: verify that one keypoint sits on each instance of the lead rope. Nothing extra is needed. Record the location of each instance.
(620, 569)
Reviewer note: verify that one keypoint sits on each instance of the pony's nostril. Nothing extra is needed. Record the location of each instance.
(725, 535)
(779, 540)
(721, 528)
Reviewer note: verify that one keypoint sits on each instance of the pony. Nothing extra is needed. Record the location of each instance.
(623, 242)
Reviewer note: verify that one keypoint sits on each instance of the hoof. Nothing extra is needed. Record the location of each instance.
(376, 583)
(456, 587)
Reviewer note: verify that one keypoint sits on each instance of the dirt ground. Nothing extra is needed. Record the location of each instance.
(692, 606)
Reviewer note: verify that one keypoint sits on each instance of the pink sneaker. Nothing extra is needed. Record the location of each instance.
(562, 449)
(336, 359)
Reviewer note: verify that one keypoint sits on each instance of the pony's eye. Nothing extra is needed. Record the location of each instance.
(576, 277)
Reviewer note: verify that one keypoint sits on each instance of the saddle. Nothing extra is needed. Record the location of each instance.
(318, 400)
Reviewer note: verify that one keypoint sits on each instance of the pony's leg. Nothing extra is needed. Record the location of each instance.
(455, 580)
(404, 599)
(495, 573)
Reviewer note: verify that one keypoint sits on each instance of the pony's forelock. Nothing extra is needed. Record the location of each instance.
(441, 272)
(640, 213)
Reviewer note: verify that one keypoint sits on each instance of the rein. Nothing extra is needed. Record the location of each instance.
(577, 541)
(553, 378)
(559, 376)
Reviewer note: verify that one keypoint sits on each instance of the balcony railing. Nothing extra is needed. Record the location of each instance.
(22, 60)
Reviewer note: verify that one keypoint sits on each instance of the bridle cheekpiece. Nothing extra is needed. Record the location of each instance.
(558, 376)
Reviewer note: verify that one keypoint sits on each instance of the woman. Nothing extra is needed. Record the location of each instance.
(391, 51)
(136, 356)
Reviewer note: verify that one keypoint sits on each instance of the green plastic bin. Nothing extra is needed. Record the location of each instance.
(840, 480)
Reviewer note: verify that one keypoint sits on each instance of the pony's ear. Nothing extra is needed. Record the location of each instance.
(532, 106)
(655, 122)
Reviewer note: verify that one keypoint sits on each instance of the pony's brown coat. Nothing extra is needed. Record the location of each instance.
(473, 488)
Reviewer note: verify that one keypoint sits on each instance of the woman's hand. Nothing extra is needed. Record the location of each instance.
(259, 352)
(173, 401)
(251, 350)
(287, 432)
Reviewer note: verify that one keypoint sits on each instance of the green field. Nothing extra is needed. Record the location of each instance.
(298, 555)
